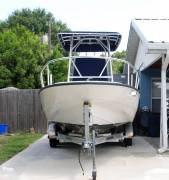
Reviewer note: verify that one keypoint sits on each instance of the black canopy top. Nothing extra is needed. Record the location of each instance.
(89, 41)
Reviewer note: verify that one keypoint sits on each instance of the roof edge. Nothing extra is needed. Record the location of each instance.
(138, 31)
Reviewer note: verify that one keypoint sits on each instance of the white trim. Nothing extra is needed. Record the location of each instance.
(146, 66)
(139, 33)
(156, 78)
(163, 117)
(157, 48)
(153, 78)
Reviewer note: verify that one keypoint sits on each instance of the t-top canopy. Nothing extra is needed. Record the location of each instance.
(89, 41)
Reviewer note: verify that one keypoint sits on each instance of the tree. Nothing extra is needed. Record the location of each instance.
(22, 54)
(3, 26)
(119, 54)
(59, 69)
(21, 58)
(37, 21)
(118, 66)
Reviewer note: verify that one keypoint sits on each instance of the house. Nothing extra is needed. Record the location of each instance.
(148, 51)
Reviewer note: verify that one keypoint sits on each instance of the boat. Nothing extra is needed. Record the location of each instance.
(92, 102)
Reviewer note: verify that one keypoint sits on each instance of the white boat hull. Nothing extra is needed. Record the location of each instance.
(111, 103)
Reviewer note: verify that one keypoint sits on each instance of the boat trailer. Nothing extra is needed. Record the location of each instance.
(90, 139)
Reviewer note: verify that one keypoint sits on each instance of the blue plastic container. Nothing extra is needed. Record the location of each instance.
(3, 129)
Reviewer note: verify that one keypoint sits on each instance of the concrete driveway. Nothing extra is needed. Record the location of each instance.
(114, 162)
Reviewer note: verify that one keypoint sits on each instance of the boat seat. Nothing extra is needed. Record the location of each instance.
(90, 67)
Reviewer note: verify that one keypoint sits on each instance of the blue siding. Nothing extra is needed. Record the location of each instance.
(145, 85)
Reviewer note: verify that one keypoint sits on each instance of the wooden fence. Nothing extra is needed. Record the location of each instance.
(21, 110)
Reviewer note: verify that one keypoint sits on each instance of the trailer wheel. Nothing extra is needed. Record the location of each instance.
(53, 143)
(127, 142)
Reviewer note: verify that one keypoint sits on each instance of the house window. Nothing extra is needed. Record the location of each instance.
(156, 95)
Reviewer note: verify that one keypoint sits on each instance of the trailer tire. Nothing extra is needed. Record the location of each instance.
(127, 142)
(53, 143)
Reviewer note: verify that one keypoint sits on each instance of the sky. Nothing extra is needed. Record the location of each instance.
(94, 15)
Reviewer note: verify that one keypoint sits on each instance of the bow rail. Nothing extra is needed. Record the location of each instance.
(132, 75)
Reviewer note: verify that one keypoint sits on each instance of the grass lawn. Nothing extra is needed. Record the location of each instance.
(11, 145)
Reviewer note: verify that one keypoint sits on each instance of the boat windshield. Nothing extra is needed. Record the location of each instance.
(90, 67)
